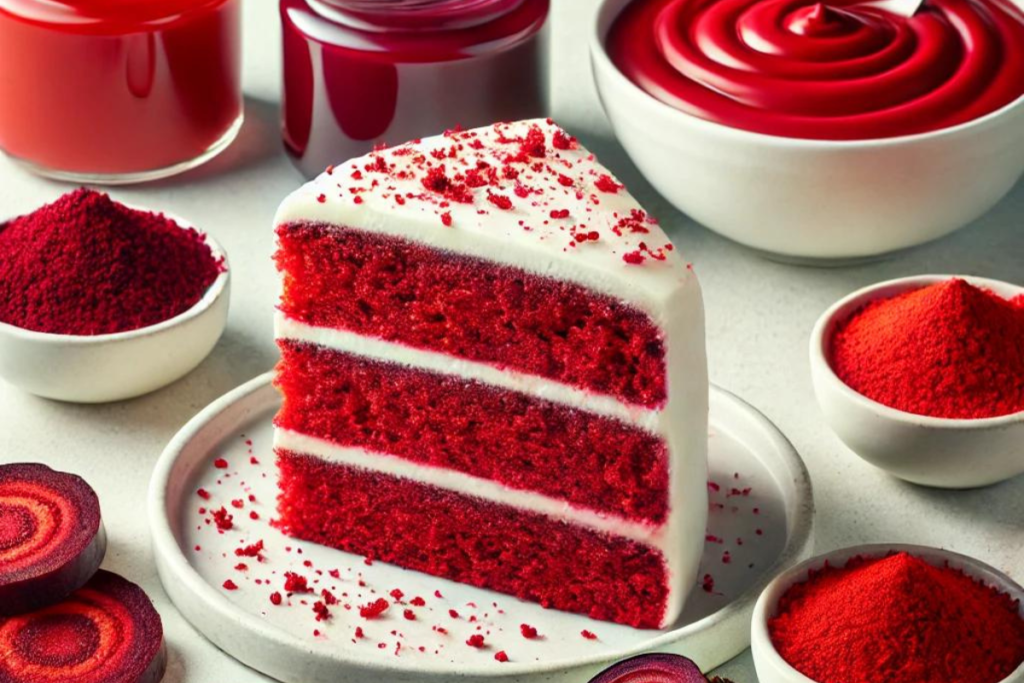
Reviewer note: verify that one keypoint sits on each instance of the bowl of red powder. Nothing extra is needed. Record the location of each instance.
(100, 301)
(890, 614)
(924, 378)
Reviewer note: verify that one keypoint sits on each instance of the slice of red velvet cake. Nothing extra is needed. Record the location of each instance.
(493, 371)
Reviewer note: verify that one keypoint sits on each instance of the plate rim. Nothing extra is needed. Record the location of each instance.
(172, 559)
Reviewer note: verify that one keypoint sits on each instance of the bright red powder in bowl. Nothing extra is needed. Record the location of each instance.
(948, 350)
(898, 619)
(86, 265)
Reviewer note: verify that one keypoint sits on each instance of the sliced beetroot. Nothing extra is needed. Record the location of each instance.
(105, 632)
(652, 668)
(51, 536)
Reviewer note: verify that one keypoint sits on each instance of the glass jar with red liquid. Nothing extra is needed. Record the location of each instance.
(359, 73)
(115, 91)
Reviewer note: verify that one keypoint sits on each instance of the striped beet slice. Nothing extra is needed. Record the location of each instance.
(105, 632)
(51, 536)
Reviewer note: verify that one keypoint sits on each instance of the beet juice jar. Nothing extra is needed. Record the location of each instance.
(358, 73)
(117, 91)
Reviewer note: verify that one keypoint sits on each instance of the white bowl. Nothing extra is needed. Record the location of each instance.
(772, 668)
(113, 367)
(811, 199)
(947, 453)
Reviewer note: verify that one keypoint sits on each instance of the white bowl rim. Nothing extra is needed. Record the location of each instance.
(819, 353)
(599, 53)
(971, 566)
(213, 292)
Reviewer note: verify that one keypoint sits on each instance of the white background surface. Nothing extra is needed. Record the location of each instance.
(759, 317)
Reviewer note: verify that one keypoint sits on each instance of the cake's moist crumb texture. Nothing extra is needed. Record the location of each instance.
(396, 290)
(444, 421)
(523, 554)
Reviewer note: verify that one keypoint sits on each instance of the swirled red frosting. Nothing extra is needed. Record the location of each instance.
(842, 71)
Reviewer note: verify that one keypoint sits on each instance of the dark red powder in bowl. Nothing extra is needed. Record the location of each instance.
(898, 619)
(86, 265)
(949, 350)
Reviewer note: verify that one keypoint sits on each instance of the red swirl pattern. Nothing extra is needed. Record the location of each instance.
(842, 71)
(51, 536)
(105, 632)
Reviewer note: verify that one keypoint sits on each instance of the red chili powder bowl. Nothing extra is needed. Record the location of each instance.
(898, 619)
(86, 265)
(947, 350)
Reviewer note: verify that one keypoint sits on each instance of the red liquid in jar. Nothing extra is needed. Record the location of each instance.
(358, 73)
(842, 71)
(118, 89)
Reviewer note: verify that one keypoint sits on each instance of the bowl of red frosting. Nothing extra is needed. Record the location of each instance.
(923, 377)
(818, 131)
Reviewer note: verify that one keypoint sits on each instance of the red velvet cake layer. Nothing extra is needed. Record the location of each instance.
(471, 541)
(445, 421)
(396, 290)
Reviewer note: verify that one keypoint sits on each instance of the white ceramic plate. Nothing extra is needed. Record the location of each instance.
(760, 524)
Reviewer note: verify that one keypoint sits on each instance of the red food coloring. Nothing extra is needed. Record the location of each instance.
(230, 585)
(51, 537)
(374, 609)
(296, 583)
(501, 656)
(86, 265)
(476, 640)
(275, 598)
(529, 632)
(220, 464)
(223, 519)
(409, 615)
(589, 635)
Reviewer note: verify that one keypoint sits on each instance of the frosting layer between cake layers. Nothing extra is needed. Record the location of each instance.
(591, 329)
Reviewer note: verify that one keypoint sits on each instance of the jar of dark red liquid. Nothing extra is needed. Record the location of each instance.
(109, 91)
(359, 73)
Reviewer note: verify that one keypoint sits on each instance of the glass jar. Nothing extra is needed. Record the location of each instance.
(360, 73)
(114, 91)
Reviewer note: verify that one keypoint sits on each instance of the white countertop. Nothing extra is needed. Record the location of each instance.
(760, 314)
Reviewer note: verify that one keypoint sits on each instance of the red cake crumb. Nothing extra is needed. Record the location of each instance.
(606, 183)
(220, 463)
(572, 568)
(204, 494)
(329, 597)
(501, 656)
(359, 632)
(453, 614)
(342, 278)
(374, 609)
(238, 504)
(321, 611)
(222, 519)
(275, 598)
(296, 583)
(476, 640)
(417, 602)
(514, 439)
(397, 595)
(409, 615)
(589, 635)
(529, 632)
(252, 550)
(230, 585)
